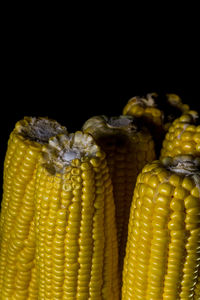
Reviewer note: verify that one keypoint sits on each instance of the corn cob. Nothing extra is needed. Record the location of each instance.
(17, 242)
(183, 136)
(163, 249)
(156, 109)
(144, 107)
(149, 115)
(76, 239)
(128, 149)
(156, 112)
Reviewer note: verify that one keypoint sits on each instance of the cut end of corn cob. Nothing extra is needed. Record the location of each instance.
(106, 126)
(63, 149)
(120, 122)
(182, 164)
(38, 129)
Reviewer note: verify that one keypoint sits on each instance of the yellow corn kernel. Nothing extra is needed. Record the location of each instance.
(17, 238)
(157, 112)
(162, 252)
(76, 240)
(127, 151)
(182, 137)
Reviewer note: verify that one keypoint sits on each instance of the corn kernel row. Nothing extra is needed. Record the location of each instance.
(183, 137)
(17, 232)
(162, 253)
(76, 242)
(128, 148)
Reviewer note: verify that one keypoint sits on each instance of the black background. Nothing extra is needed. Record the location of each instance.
(72, 69)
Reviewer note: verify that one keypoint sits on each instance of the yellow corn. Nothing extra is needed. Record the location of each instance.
(156, 112)
(128, 148)
(17, 241)
(146, 110)
(183, 136)
(76, 239)
(163, 247)
(144, 107)
(155, 109)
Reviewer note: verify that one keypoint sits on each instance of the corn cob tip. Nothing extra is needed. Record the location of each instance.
(38, 129)
(63, 149)
(111, 122)
(148, 101)
(111, 125)
(122, 122)
(182, 164)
